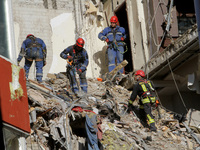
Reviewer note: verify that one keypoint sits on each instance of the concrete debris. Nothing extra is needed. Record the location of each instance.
(99, 119)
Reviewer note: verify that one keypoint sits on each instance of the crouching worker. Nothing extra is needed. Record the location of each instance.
(77, 58)
(143, 88)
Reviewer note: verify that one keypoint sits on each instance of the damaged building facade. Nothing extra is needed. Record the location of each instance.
(149, 46)
(165, 56)
(162, 39)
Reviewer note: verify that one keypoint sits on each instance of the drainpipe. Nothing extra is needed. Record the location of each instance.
(197, 11)
(7, 43)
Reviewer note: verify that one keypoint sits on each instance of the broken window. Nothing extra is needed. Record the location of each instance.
(185, 15)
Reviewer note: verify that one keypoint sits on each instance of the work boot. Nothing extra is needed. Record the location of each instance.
(75, 95)
(40, 81)
(153, 127)
(154, 131)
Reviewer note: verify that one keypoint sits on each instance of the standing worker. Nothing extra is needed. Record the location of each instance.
(33, 48)
(144, 89)
(114, 35)
(77, 62)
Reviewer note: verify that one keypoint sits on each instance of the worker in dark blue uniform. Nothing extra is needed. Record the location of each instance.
(33, 48)
(114, 35)
(77, 58)
(145, 90)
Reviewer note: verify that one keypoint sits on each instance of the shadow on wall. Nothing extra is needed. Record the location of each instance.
(101, 59)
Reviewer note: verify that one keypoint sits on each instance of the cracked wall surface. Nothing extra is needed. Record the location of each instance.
(51, 21)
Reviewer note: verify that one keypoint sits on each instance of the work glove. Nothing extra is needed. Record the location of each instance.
(107, 40)
(130, 105)
(153, 105)
(70, 58)
(79, 71)
(122, 38)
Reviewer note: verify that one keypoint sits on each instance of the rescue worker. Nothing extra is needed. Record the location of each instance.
(144, 89)
(78, 61)
(114, 35)
(33, 48)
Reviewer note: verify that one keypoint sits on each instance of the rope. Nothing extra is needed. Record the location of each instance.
(176, 84)
(166, 31)
(150, 26)
(116, 47)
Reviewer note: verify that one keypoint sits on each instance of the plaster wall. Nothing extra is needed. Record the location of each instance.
(178, 105)
(59, 23)
(61, 41)
(188, 96)
(51, 21)
(135, 33)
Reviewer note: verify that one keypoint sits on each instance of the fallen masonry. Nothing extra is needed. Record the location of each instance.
(99, 119)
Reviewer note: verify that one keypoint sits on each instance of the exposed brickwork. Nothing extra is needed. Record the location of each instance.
(34, 16)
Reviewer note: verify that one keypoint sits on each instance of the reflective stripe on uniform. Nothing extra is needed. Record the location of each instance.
(109, 34)
(141, 106)
(119, 33)
(130, 101)
(149, 83)
(84, 66)
(111, 65)
(151, 120)
(103, 37)
(145, 100)
(39, 74)
(74, 86)
(144, 87)
(153, 99)
(83, 85)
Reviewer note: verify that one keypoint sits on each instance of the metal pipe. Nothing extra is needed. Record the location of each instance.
(191, 132)
(7, 44)
(197, 11)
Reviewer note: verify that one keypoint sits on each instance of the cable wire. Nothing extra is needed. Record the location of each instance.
(176, 84)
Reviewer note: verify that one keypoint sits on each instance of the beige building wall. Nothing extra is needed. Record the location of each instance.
(52, 21)
(62, 27)
(137, 33)
(60, 23)
(92, 24)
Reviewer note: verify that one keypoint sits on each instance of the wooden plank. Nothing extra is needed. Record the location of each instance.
(40, 85)
(119, 67)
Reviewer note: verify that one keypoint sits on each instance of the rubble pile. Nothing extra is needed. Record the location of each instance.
(61, 120)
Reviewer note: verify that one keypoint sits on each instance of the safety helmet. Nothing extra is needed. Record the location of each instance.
(80, 42)
(29, 35)
(114, 19)
(140, 72)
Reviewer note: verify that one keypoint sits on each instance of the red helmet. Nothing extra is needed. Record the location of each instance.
(80, 42)
(114, 19)
(29, 35)
(140, 72)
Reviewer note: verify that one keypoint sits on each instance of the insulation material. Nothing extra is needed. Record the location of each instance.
(16, 90)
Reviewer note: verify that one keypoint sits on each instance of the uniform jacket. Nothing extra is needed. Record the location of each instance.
(33, 48)
(113, 35)
(80, 57)
(138, 89)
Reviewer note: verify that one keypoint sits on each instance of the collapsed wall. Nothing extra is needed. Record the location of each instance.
(61, 120)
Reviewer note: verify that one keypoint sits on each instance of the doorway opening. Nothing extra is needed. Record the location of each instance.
(123, 22)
